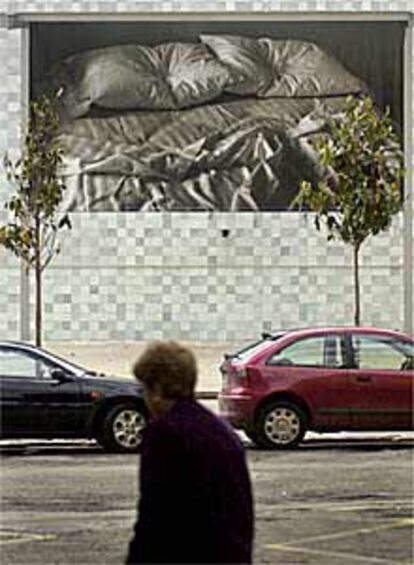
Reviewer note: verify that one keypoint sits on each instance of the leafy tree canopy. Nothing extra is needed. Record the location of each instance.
(34, 207)
(31, 235)
(363, 164)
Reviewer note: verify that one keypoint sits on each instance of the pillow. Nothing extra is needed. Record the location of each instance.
(121, 77)
(193, 74)
(166, 77)
(301, 68)
(286, 68)
(245, 57)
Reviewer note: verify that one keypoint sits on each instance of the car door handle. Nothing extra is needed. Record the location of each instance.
(363, 379)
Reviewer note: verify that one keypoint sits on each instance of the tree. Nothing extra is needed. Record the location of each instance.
(34, 207)
(361, 186)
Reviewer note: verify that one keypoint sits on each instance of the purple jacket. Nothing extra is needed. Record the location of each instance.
(196, 500)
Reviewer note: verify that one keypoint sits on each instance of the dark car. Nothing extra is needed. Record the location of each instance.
(44, 396)
(320, 379)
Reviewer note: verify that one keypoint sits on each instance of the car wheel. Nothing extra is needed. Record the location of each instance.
(280, 425)
(252, 435)
(121, 428)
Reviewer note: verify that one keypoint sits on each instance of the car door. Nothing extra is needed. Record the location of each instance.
(314, 369)
(16, 383)
(382, 380)
(33, 402)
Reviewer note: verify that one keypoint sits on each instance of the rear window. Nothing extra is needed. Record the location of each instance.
(250, 350)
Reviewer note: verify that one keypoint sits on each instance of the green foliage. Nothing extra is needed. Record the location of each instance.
(34, 207)
(363, 163)
(361, 189)
(31, 235)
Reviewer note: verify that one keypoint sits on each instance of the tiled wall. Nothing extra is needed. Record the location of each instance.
(9, 296)
(211, 5)
(175, 274)
(141, 276)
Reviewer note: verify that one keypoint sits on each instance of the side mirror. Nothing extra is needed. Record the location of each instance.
(408, 364)
(281, 362)
(60, 375)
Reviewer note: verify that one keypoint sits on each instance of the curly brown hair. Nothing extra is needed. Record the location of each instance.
(169, 365)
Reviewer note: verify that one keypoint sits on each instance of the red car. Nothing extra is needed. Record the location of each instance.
(320, 379)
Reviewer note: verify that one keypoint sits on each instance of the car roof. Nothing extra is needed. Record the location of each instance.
(13, 342)
(307, 330)
(22, 345)
(304, 332)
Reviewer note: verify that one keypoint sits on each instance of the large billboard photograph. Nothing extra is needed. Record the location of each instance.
(213, 116)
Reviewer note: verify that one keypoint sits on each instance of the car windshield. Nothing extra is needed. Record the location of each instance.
(249, 350)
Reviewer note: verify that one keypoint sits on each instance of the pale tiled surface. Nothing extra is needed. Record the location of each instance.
(198, 5)
(144, 276)
(271, 271)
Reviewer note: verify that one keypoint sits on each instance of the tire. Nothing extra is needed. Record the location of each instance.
(252, 435)
(121, 428)
(280, 425)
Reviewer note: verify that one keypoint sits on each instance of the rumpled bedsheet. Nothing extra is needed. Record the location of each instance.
(243, 154)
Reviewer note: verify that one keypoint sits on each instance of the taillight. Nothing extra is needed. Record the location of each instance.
(240, 372)
(233, 375)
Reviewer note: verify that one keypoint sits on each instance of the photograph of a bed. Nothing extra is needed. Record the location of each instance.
(224, 123)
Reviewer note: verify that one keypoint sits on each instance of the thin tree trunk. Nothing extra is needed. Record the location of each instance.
(38, 289)
(357, 315)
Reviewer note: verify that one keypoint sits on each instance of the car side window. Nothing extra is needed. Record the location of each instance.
(19, 364)
(377, 352)
(320, 351)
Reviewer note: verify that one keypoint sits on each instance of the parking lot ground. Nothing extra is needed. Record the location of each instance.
(337, 500)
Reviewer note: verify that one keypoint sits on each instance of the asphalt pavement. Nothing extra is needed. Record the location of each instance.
(333, 501)
(337, 500)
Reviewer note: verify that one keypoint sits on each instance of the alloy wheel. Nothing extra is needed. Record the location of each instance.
(127, 427)
(282, 425)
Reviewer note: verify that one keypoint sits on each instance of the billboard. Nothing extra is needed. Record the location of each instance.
(205, 116)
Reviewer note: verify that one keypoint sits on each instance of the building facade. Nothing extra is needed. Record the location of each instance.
(207, 275)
